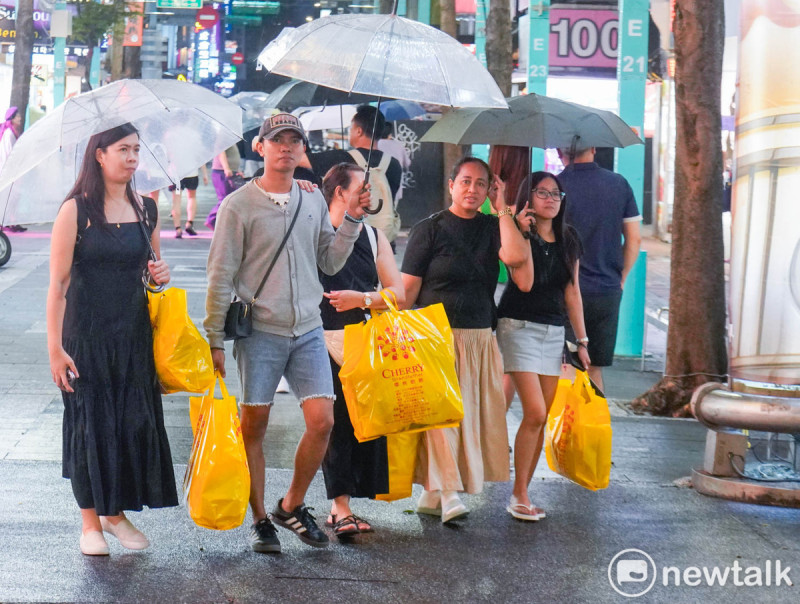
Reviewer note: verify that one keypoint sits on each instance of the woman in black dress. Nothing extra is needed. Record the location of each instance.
(115, 448)
(353, 469)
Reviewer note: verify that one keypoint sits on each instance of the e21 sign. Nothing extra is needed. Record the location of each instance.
(590, 38)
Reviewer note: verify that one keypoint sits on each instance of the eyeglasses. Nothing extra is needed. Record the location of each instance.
(544, 194)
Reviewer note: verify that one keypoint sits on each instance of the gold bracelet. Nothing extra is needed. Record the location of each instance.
(506, 211)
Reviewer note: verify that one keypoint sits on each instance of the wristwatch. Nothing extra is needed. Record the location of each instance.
(367, 300)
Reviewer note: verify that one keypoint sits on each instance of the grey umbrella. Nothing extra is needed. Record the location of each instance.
(298, 93)
(534, 120)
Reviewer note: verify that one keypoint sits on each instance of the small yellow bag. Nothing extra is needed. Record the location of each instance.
(402, 450)
(399, 372)
(578, 442)
(182, 355)
(216, 485)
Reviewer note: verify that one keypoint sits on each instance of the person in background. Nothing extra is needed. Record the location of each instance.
(451, 258)
(223, 168)
(530, 328)
(100, 344)
(509, 163)
(603, 211)
(10, 131)
(189, 184)
(353, 469)
(385, 176)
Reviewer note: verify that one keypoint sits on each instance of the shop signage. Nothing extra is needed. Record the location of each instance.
(179, 3)
(8, 16)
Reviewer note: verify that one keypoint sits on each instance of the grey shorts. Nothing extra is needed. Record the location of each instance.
(263, 358)
(531, 347)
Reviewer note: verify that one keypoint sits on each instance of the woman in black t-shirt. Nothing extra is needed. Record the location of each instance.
(530, 330)
(350, 468)
(452, 258)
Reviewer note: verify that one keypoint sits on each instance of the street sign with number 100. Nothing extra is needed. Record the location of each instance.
(179, 4)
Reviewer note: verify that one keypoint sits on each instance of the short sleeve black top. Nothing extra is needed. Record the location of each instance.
(359, 273)
(457, 260)
(545, 302)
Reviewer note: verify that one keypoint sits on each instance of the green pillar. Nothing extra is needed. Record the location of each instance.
(424, 11)
(631, 79)
(480, 30)
(402, 8)
(538, 59)
(59, 63)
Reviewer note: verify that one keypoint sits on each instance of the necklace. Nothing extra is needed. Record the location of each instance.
(121, 214)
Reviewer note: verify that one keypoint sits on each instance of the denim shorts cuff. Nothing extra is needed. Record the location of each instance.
(330, 397)
(256, 404)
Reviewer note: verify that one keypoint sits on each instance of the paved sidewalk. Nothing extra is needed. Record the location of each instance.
(488, 557)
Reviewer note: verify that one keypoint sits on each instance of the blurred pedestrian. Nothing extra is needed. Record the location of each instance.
(451, 258)
(287, 336)
(353, 469)
(115, 448)
(395, 148)
(603, 211)
(224, 168)
(10, 131)
(189, 184)
(530, 328)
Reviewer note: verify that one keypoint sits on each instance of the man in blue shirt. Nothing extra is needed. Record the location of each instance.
(602, 208)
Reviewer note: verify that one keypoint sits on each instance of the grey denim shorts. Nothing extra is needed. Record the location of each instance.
(532, 347)
(263, 358)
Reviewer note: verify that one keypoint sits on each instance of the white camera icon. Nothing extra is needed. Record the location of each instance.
(631, 571)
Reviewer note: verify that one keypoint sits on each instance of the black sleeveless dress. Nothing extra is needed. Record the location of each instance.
(115, 448)
(351, 468)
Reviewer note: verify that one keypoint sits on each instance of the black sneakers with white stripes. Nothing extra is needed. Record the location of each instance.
(301, 523)
(264, 537)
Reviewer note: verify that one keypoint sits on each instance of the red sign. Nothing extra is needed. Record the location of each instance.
(206, 18)
(237, 58)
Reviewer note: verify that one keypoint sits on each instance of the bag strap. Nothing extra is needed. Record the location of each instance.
(384, 163)
(360, 160)
(280, 249)
(373, 242)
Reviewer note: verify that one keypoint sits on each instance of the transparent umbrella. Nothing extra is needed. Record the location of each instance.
(383, 55)
(181, 127)
(326, 118)
(533, 120)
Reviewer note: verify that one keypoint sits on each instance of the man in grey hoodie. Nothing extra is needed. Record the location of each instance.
(287, 338)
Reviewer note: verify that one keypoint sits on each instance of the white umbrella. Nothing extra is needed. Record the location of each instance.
(181, 126)
(324, 118)
(384, 55)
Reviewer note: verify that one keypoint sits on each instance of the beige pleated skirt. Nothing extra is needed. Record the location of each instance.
(462, 458)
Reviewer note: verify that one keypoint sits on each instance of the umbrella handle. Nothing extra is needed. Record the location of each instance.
(370, 211)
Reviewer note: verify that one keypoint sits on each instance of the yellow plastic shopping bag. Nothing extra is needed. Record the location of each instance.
(578, 442)
(402, 450)
(399, 372)
(182, 355)
(216, 486)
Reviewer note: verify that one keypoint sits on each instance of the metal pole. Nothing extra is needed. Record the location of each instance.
(538, 59)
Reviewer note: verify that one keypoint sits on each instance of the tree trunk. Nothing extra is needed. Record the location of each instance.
(117, 50)
(696, 351)
(132, 62)
(386, 6)
(498, 44)
(23, 57)
(450, 153)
